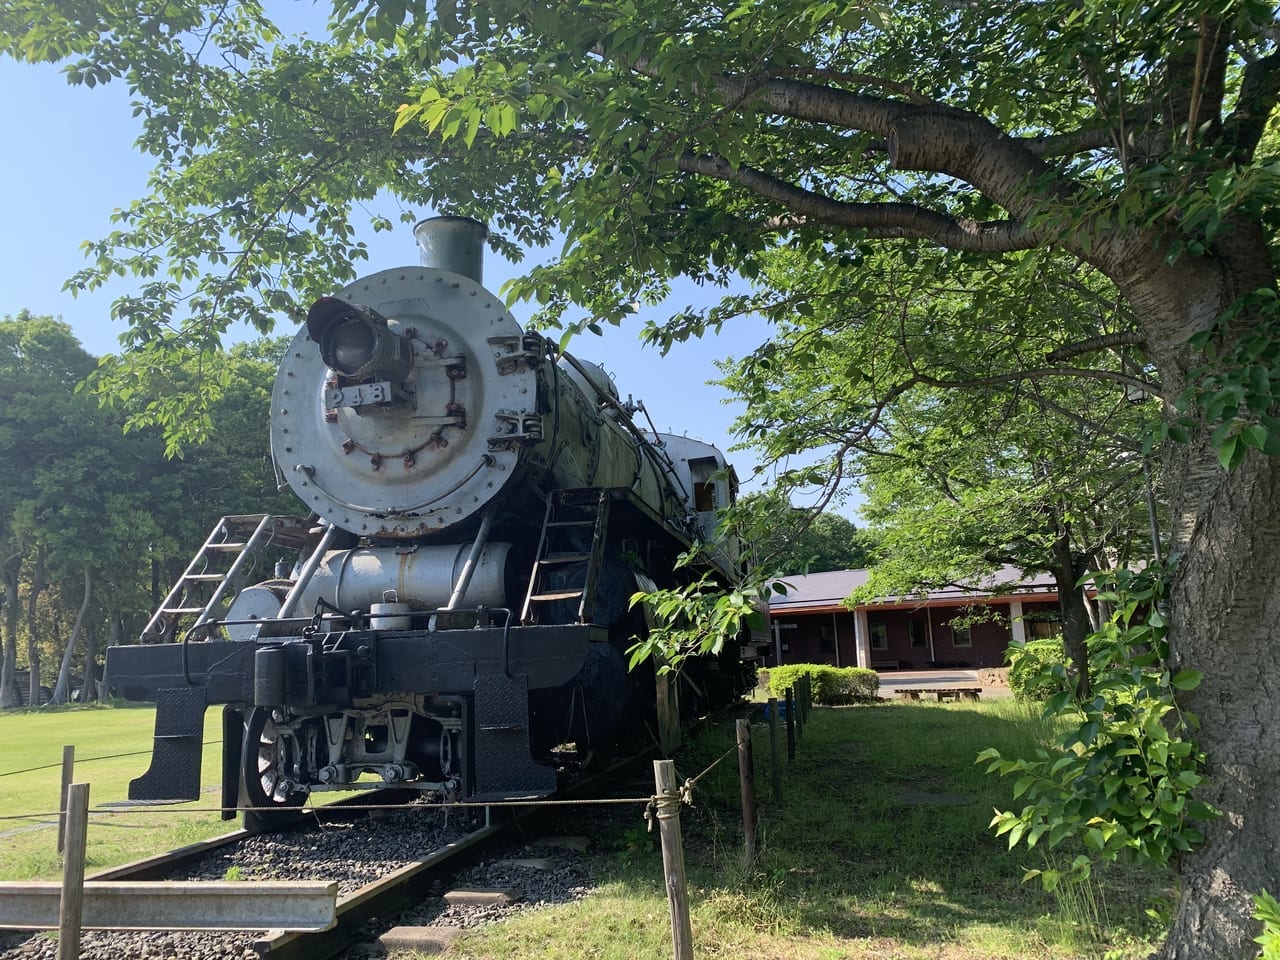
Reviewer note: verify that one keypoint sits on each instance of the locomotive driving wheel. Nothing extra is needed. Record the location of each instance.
(271, 754)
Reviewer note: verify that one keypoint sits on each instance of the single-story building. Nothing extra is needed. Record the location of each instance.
(955, 626)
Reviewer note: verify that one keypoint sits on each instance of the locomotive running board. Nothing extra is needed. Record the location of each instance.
(174, 773)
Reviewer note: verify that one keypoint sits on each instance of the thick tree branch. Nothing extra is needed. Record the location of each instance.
(1137, 123)
(855, 79)
(1107, 375)
(1071, 143)
(879, 220)
(1259, 92)
(1106, 341)
(926, 139)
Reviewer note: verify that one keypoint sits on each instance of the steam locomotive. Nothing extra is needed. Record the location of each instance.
(453, 616)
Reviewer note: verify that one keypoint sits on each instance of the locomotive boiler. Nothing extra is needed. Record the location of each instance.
(453, 614)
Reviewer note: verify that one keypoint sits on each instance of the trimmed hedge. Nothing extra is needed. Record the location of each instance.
(1029, 676)
(831, 685)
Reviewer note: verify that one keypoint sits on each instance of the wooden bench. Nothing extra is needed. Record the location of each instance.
(942, 693)
(886, 664)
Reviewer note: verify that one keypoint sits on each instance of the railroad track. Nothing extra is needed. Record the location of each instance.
(400, 890)
(443, 851)
(386, 897)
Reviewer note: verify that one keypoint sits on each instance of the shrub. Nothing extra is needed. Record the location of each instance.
(1029, 676)
(787, 675)
(1120, 777)
(831, 685)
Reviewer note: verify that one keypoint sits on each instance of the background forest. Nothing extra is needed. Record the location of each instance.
(96, 523)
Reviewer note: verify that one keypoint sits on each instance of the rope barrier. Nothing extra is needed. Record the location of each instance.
(732, 751)
(651, 803)
(79, 760)
(660, 808)
(101, 811)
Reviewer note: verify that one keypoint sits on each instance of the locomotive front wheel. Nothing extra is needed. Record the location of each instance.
(268, 756)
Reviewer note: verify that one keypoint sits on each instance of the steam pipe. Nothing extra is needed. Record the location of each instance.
(307, 572)
(473, 558)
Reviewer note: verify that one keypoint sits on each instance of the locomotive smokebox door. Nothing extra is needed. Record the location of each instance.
(392, 412)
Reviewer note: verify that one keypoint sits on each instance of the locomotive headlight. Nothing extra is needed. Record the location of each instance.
(357, 342)
(350, 346)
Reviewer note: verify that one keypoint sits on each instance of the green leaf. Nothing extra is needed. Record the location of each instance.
(473, 126)
(1232, 453)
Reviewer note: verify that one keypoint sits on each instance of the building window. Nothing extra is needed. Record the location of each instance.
(917, 633)
(825, 642)
(1043, 627)
(960, 636)
(879, 636)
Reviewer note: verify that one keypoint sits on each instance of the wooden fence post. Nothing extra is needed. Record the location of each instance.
(668, 812)
(71, 906)
(747, 779)
(775, 750)
(68, 772)
(799, 698)
(791, 724)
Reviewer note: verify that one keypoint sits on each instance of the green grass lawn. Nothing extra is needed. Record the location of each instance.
(113, 745)
(879, 850)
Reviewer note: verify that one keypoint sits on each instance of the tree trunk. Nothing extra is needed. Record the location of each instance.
(90, 692)
(1068, 568)
(33, 627)
(61, 691)
(9, 661)
(1224, 609)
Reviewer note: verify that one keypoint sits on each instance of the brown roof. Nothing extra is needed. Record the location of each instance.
(821, 592)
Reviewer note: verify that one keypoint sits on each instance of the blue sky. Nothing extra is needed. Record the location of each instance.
(70, 161)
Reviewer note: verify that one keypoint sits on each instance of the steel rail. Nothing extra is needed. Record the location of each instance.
(391, 895)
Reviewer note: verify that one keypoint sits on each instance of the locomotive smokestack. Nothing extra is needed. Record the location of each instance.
(453, 243)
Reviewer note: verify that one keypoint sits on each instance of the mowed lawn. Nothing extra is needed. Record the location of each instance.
(113, 745)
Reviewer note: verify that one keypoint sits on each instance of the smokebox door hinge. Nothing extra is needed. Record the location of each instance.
(517, 352)
(515, 429)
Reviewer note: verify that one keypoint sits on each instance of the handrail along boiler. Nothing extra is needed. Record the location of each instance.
(453, 615)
